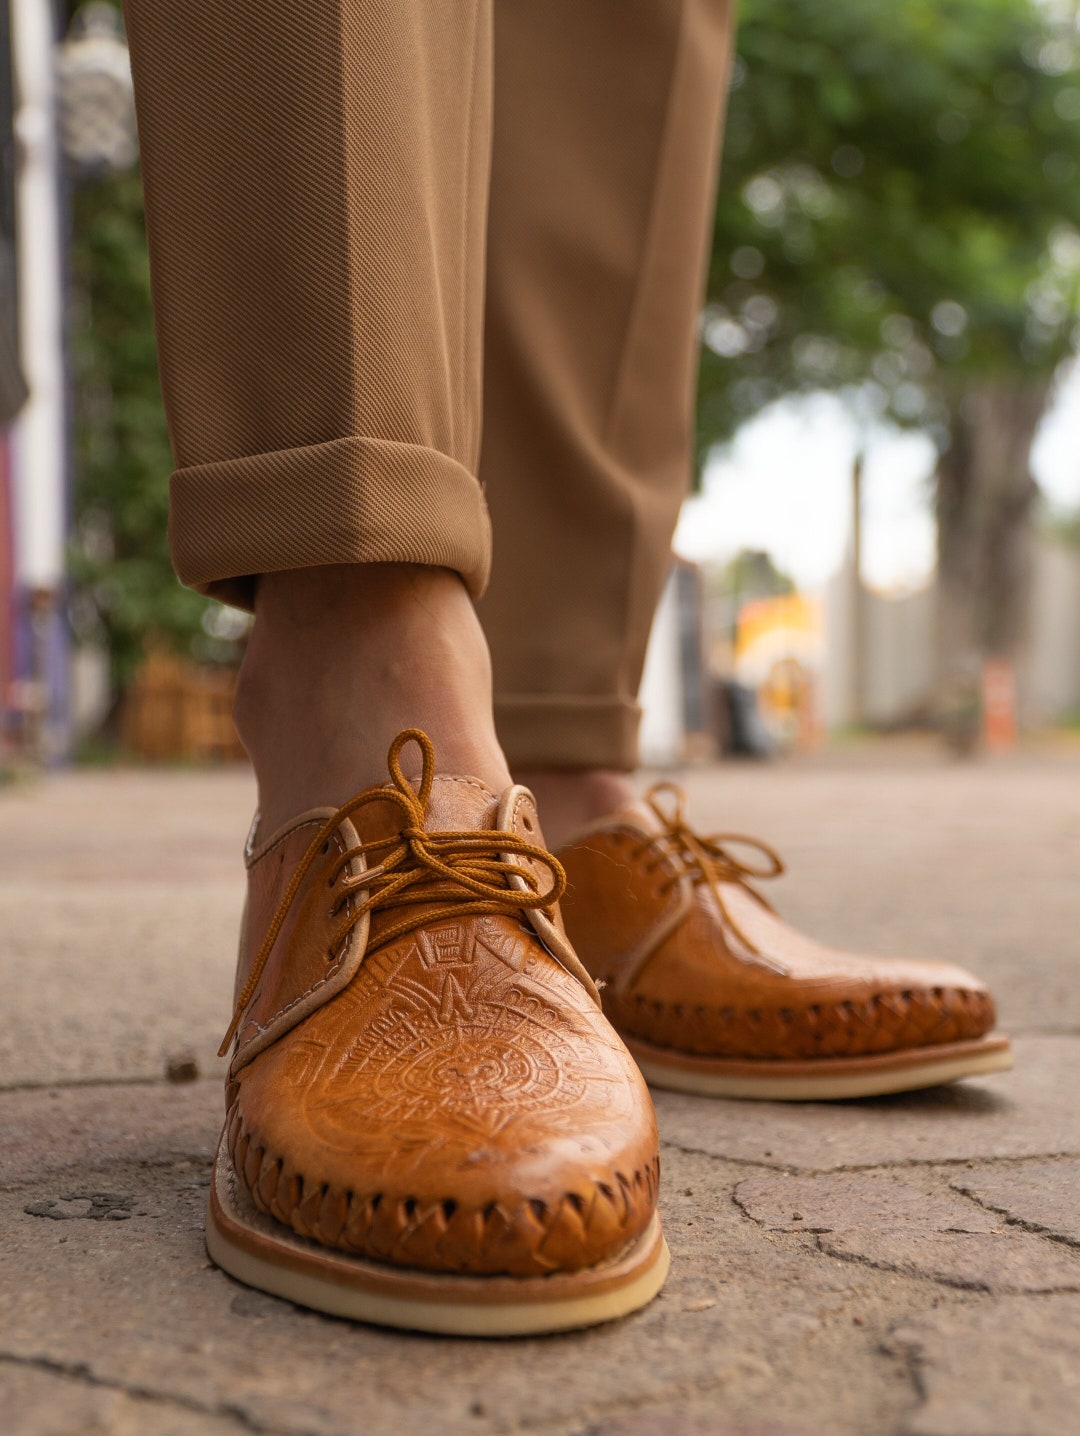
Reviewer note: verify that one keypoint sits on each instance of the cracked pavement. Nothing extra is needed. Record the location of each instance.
(908, 1265)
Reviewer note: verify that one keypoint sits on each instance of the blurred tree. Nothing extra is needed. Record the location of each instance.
(898, 218)
(124, 587)
(750, 574)
(753, 573)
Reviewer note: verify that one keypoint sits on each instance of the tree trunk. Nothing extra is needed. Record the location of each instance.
(985, 497)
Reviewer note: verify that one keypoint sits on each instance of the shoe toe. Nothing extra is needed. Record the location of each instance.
(517, 1139)
(925, 1004)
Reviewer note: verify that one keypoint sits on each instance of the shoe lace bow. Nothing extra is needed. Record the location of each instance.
(708, 859)
(437, 874)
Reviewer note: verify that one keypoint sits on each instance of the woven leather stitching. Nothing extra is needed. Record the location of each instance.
(638, 1192)
(944, 1005)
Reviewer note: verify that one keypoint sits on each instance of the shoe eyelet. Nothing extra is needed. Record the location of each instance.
(326, 846)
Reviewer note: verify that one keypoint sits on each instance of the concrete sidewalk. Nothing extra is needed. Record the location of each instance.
(907, 1265)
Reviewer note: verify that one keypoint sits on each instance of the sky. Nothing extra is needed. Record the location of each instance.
(784, 485)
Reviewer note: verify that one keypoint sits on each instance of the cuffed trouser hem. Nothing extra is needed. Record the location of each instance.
(567, 731)
(353, 500)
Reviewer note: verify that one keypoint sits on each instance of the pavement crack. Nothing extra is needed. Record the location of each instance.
(584, 1421)
(1050, 1030)
(80, 1371)
(753, 1162)
(861, 1259)
(906, 1355)
(889, 1165)
(1022, 1223)
(956, 1282)
(62, 1084)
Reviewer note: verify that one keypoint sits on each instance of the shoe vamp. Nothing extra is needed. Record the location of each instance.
(749, 956)
(461, 1061)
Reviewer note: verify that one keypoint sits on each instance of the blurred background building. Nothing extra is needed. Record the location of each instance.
(885, 531)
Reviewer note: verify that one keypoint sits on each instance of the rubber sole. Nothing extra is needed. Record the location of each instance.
(262, 1253)
(826, 1079)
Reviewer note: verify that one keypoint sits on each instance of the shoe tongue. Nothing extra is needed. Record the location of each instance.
(454, 803)
(460, 803)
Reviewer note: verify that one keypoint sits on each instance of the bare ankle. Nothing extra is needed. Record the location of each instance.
(341, 659)
(569, 799)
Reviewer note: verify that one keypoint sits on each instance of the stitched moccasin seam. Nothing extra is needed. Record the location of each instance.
(347, 1219)
(938, 1015)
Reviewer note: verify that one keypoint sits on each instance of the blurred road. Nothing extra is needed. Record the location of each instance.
(907, 1265)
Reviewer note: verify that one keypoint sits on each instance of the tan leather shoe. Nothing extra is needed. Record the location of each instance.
(430, 1123)
(714, 994)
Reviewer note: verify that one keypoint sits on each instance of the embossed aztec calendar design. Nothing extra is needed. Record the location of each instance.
(450, 1013)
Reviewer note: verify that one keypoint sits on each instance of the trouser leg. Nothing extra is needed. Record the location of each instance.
(607, 123)
(316, 182)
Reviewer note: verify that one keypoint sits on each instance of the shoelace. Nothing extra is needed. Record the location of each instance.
(460, 872)
(708, 859)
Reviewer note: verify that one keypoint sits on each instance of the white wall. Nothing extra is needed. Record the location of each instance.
(1049, 677)
(900, 642)
(898, 665)
(661, 696)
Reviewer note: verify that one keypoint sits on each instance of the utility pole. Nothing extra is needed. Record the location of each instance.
(858, 596)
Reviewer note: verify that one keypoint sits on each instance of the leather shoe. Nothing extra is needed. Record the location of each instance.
(430, 1122)
(714, 994)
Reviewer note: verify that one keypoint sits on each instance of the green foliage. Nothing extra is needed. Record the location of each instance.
(754, 574)
(899, 206)
(124, 588)
(1061, 528)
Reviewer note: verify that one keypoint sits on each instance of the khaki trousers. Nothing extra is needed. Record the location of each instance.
(382, 231)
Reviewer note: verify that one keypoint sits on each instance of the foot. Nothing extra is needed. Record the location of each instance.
(341, 658)
(714, 994)
(430, 1123)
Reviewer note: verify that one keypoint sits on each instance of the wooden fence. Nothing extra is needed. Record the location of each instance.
(177, 710)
